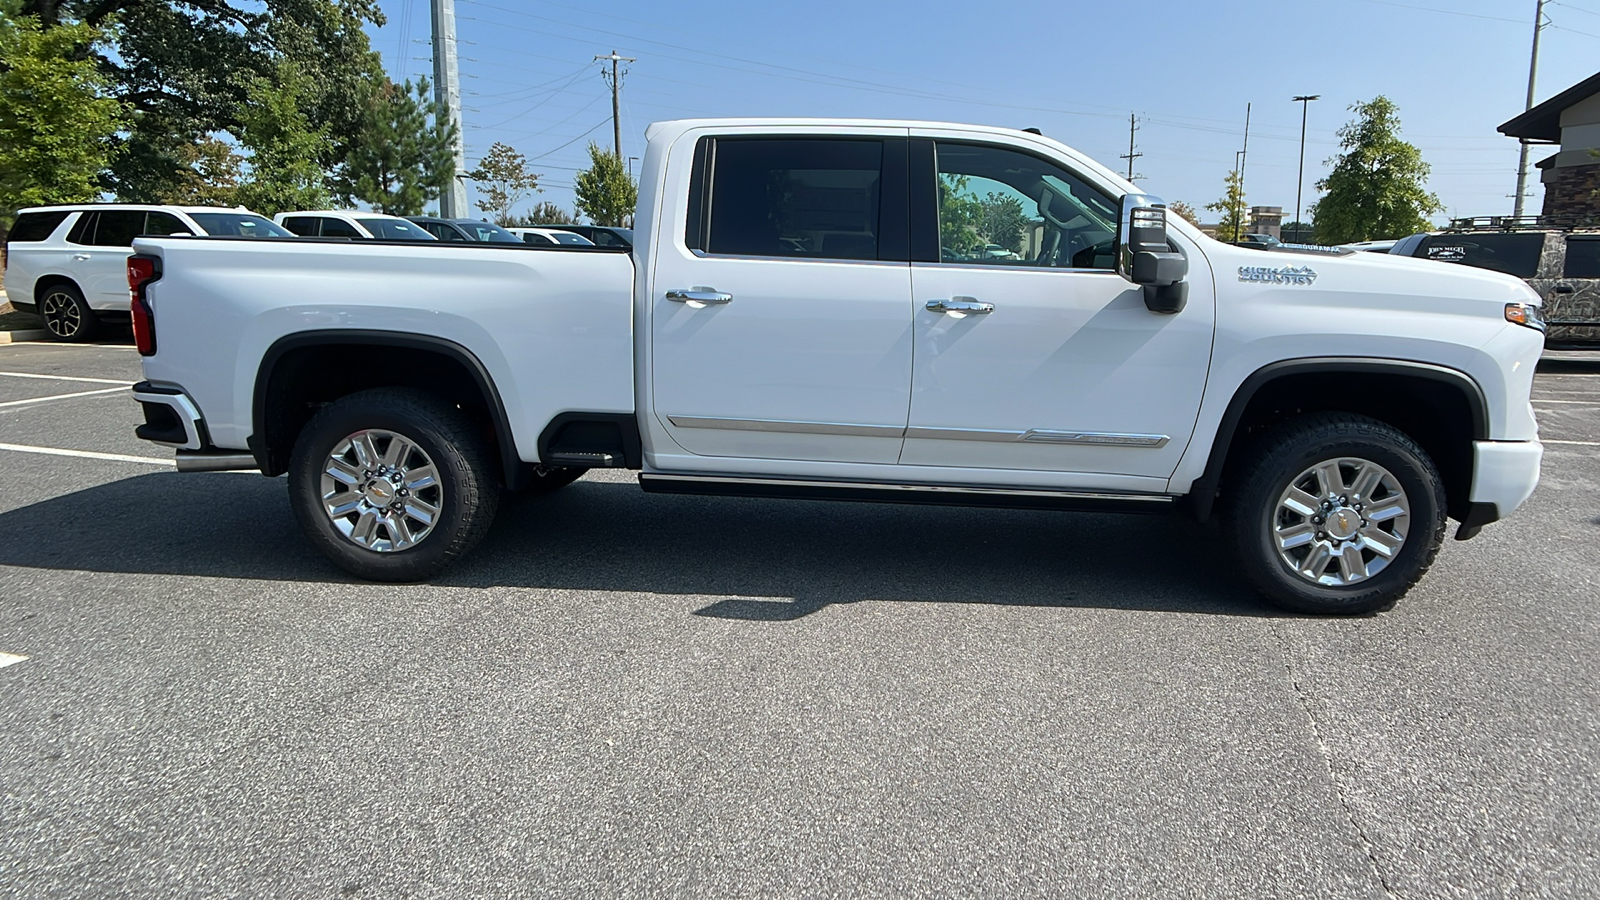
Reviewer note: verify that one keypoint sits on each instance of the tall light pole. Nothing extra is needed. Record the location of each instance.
(447, 92)
(615, 80)
(1300, 180)
(1533, 69)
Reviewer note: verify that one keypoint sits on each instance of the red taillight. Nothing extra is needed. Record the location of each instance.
(141, 271)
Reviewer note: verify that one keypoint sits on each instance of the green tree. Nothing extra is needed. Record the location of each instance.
(1186, 211)
(1001, 221)
(960, 215)
(545, 213)
(284, 174)
(56, 120)
(1377, 188)
(1232, 208)
(606, 193)
(183, 69)
(212, 174)
(403, 157)
(504, 179)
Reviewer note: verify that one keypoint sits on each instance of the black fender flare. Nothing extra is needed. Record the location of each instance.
(261, 448)
(1203, 495)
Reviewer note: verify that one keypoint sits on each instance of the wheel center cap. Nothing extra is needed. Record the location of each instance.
(1343, 523)
(379, 493)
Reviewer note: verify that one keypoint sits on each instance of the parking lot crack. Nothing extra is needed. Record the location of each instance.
(1304, 698)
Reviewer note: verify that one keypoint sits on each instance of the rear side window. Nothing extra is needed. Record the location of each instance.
(159, 223)
(1513, 254)
(339, 228)
(36, 226)
(304, 226)
(1583, 257)
(795, 197)
(118, 227)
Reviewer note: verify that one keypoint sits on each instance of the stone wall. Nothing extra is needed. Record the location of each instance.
(1572, 191)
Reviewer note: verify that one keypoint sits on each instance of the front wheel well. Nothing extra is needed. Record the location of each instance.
(302, 374)
(1440, 409)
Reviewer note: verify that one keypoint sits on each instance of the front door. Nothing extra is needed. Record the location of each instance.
(781, 319)
(1032, 353)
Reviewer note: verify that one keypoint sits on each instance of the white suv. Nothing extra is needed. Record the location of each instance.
(69, 263)
(334, 223)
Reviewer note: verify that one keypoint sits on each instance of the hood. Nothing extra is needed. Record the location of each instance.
(1368, 274)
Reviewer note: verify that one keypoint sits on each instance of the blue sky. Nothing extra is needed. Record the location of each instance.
(1456, 68)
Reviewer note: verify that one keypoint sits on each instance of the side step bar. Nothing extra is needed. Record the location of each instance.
(939, 495)
(199, 461)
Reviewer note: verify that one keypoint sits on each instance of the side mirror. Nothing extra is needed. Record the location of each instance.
(1145, 257)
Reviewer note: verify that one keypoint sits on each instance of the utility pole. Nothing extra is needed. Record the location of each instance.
(1244, 155)
(447, 92)
(615, 80)
(1300, 180)
(1533, 70)
(1131, 155)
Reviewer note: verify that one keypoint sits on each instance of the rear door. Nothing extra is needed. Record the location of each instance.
(781, 314)
(100, 258)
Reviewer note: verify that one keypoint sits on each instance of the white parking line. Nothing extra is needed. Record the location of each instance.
(86, 454)
(66, 378)
(1578, 402)
(1576, 443)
(56, 345)
(10, 659)
(62, 397)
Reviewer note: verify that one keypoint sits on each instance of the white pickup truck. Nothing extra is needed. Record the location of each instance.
(860, 310)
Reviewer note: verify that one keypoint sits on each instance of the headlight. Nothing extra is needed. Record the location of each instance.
(1525, 314)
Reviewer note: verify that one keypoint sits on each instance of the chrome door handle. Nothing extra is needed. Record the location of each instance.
(699, 296)
(80, 256)
(960, 305)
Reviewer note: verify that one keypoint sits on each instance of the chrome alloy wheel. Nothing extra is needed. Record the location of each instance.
(381, 491)
(1342, 521)
(61, 314)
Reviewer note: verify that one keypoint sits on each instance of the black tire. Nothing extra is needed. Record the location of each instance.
(469, 492)
(1253, 515)
(550, 479)
(67, 316)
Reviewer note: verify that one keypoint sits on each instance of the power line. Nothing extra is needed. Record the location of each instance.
(615, 81)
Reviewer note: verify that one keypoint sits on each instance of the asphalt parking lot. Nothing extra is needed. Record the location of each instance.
(623, 694)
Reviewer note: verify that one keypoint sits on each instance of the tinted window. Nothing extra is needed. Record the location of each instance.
(1002, 207)
(533, 237)
(247, 225)
(488, 232)
(796, 198)
(83, 230)
(339, 228)
(1583, 257)
(305, 226)
(395, 230)
(576, 240)
(118, 227)
(1513, 254)
(159, 223)
(36, 226)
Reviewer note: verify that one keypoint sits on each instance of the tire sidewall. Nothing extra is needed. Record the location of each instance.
(1427, 523)
(307, 464)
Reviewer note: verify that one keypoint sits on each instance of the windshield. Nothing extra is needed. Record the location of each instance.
(395, 230)
(239, 225)
(489, 232)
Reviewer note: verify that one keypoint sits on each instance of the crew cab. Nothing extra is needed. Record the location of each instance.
(811, 311)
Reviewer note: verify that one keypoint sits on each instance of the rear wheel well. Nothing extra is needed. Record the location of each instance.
(1440, 410)
(300, 375)
(47, 282)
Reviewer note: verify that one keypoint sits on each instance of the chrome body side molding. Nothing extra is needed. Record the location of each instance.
(1033, 435)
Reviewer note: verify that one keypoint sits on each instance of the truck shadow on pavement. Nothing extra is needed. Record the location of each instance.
(756, 560)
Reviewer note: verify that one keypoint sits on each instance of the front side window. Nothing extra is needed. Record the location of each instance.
(231, 224)
(1583, 257)
(795, 197)
(1003, 207)
(160, 223)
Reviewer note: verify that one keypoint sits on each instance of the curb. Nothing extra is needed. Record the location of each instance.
(17, 337)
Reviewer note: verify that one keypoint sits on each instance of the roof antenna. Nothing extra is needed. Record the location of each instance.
(1034, 131)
